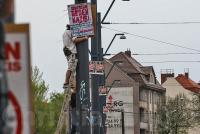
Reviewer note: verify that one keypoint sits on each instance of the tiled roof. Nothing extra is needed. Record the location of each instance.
(140, 71)
(187, 83)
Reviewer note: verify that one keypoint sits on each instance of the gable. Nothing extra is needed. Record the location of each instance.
(128, 66)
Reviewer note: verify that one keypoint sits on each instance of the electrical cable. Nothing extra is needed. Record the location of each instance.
(152, 39)
(154, 23)
(183, 53)
(170, 61)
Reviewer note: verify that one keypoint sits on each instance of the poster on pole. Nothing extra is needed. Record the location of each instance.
(19, 111)
(96, 67)
(103, 91)
(80, 19)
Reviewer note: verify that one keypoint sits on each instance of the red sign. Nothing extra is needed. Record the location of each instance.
(79, 14)
(96, 67)
(103, 90)
(80, 18)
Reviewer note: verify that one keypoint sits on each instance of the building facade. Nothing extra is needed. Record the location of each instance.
(181, 84)
(146, 93)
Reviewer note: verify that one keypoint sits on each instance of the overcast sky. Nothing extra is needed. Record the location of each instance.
(47, 20)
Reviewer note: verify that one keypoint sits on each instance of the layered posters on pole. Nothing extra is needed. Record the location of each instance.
(19, 111)
(80, 19)
(96, 67)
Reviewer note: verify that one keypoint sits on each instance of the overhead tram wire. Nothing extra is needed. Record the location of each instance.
(154, 23)
(141, 54)
(152, 39)
(171, 62)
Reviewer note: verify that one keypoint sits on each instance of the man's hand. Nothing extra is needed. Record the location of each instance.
(81, 39)
(86, 37)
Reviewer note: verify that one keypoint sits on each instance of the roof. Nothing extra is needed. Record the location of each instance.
(187, 83)
(127, 76)
(136, 71)
(134, 64)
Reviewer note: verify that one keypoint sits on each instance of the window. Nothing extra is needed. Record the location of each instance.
(143, 95)
(143, 115)
(150, 96)
(155, 97)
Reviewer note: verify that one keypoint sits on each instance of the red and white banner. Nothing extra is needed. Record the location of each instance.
(103, 90)
(96, 67)
(17, 52)
(80, 18)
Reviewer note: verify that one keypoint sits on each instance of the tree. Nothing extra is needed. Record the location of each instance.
(46, 111)
(39, 89)
(196, 108)
(56, 102)
(175, 117)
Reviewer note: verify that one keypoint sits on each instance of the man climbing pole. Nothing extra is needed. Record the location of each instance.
(70, 51)
(6, 9)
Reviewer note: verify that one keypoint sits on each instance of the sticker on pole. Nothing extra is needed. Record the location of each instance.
(80, 18)
(96, 67)
(103, 91)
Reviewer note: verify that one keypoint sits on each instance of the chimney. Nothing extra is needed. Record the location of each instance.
(165, 73)
(128, 52)
(186, 70)
(187, 75)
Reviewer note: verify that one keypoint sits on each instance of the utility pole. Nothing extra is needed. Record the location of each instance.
(97, 80)
(82, 95)
(123, 126)
(6, 15)
(3, 82)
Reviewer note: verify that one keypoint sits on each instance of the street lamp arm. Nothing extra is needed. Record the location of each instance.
(112, 85)
(104, 17)
(110, 70)
(110, 44)
(115, 62)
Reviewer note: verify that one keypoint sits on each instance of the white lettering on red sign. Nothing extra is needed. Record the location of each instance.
(79, 14)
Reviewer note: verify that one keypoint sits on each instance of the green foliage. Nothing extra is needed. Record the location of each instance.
(38, 85)
(196, 108)
(46, 110)
(175, 117)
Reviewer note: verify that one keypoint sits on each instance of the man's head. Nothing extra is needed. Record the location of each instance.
(6, 8)
(68, 27)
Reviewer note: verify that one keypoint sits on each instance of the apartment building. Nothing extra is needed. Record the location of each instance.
(147, 92)
(182, 84)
